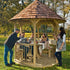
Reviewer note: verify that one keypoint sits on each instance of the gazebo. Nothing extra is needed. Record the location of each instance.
(36, 14)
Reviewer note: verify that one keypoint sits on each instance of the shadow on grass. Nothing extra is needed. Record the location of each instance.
(22, 67)
(19, 68)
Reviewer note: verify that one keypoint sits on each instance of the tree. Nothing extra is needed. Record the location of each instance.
(8, 8)
(60, 6)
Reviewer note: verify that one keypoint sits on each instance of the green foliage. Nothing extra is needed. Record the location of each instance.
(8, 8)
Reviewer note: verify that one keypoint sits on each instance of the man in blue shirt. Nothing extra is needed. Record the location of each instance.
(9, 44)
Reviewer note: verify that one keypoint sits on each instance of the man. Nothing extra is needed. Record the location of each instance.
(9, 44)
(23, 40)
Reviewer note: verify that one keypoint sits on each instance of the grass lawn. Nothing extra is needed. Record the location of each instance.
(66, 60)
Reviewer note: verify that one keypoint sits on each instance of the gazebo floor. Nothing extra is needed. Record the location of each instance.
(43, 61)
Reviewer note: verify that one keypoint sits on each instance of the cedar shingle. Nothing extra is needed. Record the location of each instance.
(37, 10)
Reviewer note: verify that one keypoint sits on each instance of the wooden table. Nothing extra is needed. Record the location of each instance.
(28, 45)
(37, 45)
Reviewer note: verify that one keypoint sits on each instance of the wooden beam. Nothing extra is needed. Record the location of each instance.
(35, 21)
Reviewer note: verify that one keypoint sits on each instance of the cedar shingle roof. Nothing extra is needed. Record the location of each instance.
(37, 10)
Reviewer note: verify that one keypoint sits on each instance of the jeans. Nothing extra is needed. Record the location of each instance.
(32, 49)
(6, 50)
(26, 50)
(59, 57)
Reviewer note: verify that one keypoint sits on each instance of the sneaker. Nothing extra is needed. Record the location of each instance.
(8, 64)
(12, 63)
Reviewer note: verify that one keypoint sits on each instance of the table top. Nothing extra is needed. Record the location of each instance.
(32, 44)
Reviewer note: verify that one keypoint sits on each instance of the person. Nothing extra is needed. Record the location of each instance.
(23, 40)
(61, 45)
(9, 44)
(31, 40)
(22, 35)
(45, 43)
(43, 38)
(42, 41)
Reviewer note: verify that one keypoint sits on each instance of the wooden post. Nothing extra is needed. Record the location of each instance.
(34, 24)
(38, 32)
(14, 27)
(56, 26)
(20, 28)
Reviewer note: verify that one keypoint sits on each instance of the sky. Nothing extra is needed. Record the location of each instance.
(59, 12)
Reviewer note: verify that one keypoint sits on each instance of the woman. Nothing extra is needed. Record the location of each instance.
(43, 38)
(44, 42)
(61, 45)
(47, 43)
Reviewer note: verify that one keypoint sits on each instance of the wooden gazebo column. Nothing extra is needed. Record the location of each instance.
(56, 27)
(14, 27)
(38, 30)
(56, 30)
(20, 28)
(35, 48)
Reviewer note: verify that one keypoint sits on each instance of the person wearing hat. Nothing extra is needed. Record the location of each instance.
(9, 44)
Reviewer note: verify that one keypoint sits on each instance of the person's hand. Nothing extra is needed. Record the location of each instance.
(60, 48)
